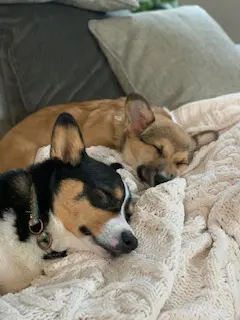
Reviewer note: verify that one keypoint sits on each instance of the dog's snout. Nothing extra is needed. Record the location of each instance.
(152, 175)
(147, 174)
(159, 178)
(129, 241)
(163, 177)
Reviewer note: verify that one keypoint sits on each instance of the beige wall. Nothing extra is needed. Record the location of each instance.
(226, 12)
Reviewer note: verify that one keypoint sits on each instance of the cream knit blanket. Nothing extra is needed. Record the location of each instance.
(187, 265)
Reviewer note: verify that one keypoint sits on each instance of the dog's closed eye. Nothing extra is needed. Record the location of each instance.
(104, 200)
(181, 163)
(159, 150)
(103, 197)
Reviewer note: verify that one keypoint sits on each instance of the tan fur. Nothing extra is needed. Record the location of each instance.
(74, 213)
(163, 133)
(66, 145)
(119, 193)
(138, 113)
(204, 138)
(101, 123)
(129, 126)
(131, 208)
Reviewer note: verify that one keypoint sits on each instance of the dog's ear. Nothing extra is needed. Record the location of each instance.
(67, 142)
(139, 113)
(204, 138)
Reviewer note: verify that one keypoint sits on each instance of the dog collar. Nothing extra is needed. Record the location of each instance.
(36, 225)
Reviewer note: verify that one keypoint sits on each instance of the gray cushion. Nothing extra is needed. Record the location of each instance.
(98, 5)
(171, 56)
(5, 116)
(49, 57)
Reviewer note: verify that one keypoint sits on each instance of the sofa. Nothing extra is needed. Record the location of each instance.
(49, 55)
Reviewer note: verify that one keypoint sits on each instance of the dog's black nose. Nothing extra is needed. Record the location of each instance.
(152, 175)
(147, 174)
(129, 241)
(158, 179)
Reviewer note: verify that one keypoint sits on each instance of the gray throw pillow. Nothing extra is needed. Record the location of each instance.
(95, 5)
(172, 56)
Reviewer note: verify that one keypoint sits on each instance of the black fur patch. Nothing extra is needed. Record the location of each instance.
(100, 181)
(12, 200)
(47, 176)
(116, 166)
(15, 196)
(55, 255)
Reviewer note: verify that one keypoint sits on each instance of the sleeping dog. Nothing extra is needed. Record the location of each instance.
(70, 201)
(147, 138)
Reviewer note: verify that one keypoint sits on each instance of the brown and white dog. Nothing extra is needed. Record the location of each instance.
(147, 138)
(68, 201)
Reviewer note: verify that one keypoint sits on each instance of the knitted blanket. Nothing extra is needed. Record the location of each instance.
(187, 265)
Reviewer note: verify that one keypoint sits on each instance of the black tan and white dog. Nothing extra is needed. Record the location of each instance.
(70, 201)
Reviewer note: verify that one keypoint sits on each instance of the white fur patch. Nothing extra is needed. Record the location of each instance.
(112, 230)
(21, 262)
(63, 239)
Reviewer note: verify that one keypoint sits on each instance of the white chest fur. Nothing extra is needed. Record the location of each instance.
(21, 262)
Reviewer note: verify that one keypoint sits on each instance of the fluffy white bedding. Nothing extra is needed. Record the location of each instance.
(187, 265)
